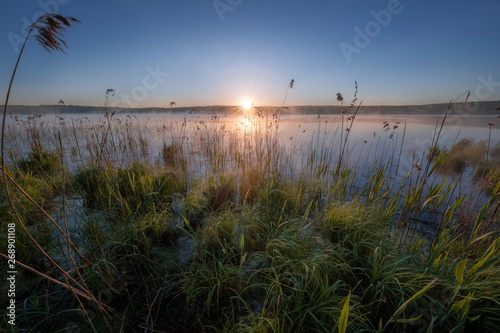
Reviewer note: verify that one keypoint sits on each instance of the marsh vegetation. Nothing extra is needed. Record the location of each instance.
(230, 226)
(206, 223)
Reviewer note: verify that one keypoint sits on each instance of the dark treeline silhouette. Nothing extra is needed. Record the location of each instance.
(471, 108)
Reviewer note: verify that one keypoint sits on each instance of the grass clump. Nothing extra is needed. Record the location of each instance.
(40, 162)
(38, 181)
(213, 288)
(123, 192)
(462, 154)
(488, 174)
(219, 236)
(221, 192)
(251, 181)
(172, 156)
(352, 220)
(206, 197)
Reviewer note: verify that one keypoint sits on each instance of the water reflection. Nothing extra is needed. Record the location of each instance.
(143, 136)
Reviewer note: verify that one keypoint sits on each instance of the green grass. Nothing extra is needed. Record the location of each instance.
(462, 154)
(132, 191)
(251, 242)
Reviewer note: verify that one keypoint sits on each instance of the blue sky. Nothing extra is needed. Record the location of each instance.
(206, 52)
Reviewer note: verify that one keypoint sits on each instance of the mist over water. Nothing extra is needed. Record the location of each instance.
(371, 137)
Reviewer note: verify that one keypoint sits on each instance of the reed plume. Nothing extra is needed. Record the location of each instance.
(48, 31)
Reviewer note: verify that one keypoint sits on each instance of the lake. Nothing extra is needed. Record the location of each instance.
(142, 136)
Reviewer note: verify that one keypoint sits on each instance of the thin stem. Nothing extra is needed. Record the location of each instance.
(2, 145)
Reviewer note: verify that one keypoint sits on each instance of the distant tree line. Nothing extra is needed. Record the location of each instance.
(471, 108)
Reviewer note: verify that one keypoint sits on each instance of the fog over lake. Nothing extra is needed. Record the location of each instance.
(402, 139)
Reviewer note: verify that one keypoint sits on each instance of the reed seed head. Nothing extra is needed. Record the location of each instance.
(49, 30)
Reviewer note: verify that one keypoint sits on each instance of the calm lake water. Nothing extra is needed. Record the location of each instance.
(410, 134)
(369, 138)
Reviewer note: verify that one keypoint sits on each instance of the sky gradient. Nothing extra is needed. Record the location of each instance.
(223, 52)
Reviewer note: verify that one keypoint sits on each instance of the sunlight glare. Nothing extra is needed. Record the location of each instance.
(246, 105)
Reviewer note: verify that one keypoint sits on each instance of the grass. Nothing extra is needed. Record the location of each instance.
(218, 226)
(462, 154)
(121, 192)
(474, 155)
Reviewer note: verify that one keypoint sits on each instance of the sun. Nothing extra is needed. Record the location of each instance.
(246, 105)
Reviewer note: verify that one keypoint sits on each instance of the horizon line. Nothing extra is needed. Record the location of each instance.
(233, 105)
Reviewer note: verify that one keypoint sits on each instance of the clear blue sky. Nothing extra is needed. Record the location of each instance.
(424, 52)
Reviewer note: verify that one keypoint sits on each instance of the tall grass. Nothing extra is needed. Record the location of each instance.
(205, 224)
